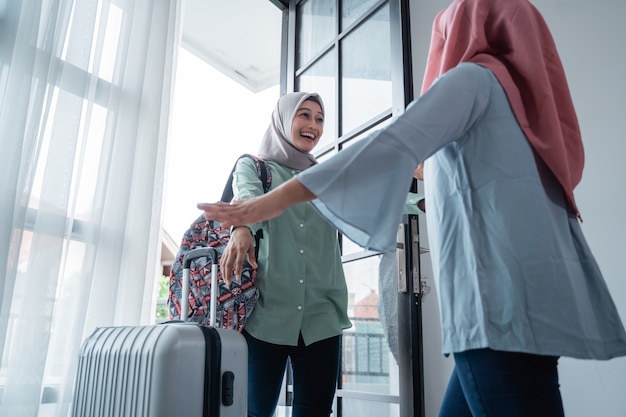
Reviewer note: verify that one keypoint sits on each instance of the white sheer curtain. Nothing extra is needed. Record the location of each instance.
(85, 89)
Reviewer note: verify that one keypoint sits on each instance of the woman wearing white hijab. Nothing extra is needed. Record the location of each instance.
(302, 305)
(518, 285)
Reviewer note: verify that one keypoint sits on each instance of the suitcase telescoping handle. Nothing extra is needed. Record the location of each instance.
(210, 253)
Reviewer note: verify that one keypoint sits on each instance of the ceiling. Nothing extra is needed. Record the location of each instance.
(241, 38)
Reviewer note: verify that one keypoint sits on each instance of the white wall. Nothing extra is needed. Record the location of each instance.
(591, 38)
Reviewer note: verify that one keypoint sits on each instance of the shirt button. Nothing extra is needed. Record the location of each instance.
(299, 307)
(301, 250)
(301, 225)
(301, 281)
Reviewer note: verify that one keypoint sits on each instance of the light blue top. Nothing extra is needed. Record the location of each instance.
(300, 278)
(513, 269)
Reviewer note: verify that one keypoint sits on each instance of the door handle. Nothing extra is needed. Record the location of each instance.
(401, 258)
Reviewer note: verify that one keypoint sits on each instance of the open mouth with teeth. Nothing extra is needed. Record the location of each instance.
(307, 135)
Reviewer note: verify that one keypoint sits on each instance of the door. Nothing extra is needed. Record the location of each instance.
(356, 55)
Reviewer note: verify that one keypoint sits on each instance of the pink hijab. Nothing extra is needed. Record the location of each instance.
(511, 38)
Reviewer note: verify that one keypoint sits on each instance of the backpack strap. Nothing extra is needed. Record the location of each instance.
(263, 172)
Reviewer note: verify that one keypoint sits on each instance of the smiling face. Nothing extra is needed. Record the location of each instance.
(307, 126)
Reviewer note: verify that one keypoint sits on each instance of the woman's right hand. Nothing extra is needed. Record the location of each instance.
(240, 246)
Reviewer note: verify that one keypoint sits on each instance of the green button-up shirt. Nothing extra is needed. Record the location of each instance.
(300, 278)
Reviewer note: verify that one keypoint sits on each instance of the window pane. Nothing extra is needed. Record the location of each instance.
(317, 28)
(96, 53)
(109, 48)
(326, 155)
(71, 290)
(352, 10)
(368, 364)
(347, 246)
(89, 163)
(84, 161)
(366, 71)
(351, 407)
(320, 78)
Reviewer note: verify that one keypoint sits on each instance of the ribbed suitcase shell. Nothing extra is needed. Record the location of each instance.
(159, 371)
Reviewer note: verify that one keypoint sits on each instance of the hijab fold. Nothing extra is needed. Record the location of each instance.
(277, 144)
(512, 39)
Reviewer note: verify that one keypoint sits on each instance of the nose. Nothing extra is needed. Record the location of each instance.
(311, 126)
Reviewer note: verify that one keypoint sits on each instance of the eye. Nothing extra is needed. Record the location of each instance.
(320, 120)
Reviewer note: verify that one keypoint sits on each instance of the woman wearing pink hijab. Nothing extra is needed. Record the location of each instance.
(496, 129)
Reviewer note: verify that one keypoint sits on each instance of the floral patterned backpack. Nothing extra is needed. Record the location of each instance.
(235, 302)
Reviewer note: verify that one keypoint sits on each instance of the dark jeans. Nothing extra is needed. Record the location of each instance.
(489, 383)
(315, 372)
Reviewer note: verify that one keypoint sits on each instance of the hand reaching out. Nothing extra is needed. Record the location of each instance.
(257, 209)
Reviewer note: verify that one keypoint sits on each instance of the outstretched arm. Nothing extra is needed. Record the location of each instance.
(257, 209)
(267, 206)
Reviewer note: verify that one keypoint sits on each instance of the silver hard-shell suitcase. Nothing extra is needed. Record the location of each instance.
(173, 369)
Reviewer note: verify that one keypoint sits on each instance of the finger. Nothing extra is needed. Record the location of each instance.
(226, 266)
(239, 264)
(228, 279)
(217, 207)
(217, 211)
(252, 257)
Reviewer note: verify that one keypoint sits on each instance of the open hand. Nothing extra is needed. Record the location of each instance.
(249, 211)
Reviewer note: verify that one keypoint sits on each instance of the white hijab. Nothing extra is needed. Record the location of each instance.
(277, 144)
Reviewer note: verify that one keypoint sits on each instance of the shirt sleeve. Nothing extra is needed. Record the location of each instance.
(362, 189)
(246, 184)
